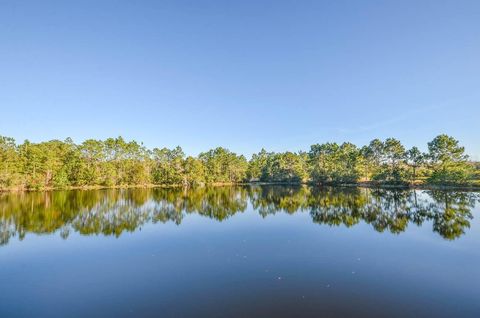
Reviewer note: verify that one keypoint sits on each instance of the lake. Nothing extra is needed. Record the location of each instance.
(240, 252)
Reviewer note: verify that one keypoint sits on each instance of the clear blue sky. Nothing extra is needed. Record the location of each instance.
(241, 74)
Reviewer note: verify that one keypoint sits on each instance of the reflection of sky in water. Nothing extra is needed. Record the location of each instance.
(281, 264)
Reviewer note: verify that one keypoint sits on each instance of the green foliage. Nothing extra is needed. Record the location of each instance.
(391, 157)
(223, 166)
(257, 165)
(414, 158)
(9, 168)
(115, 162)
(285, 167)
(334, 163)
(448, 161)
(194, 172)
(371, 155)
(168, 166)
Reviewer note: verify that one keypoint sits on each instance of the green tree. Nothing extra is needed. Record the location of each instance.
(92, 159)
(372, 156)
(415, 159)
(9, 170)
(331, 162)
(168, 166)
(223, 166)
(117, 162)
(286, 167)
(194, 172)
(257, 165)
(392, 158)
(448, 160)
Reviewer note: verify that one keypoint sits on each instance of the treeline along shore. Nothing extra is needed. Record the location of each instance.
(115, 162)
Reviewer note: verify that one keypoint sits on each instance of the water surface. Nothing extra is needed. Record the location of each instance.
(240, 252)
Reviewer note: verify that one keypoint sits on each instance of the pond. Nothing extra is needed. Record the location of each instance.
(240, 252)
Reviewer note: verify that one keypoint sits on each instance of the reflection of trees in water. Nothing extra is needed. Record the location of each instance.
(384, 209)
(451, 212)
(331, 207)
(273, 199)
(112, 212)
(388, 210)
(393, 210)
(217, 203)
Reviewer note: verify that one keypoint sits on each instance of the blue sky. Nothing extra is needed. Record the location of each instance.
(242, 74)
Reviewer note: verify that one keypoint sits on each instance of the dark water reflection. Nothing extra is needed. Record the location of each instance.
(112, 212)
(240, 251)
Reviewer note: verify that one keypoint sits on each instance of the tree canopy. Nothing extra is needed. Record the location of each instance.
(117, 162)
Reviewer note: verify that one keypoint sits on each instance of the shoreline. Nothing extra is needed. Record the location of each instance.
(370, 185)
(374, 185)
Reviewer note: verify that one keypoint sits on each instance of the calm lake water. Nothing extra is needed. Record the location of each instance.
(240, 252)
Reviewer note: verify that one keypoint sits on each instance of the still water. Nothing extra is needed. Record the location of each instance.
(240, 252)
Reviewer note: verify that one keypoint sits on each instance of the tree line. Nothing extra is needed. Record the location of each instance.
(115, 162)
